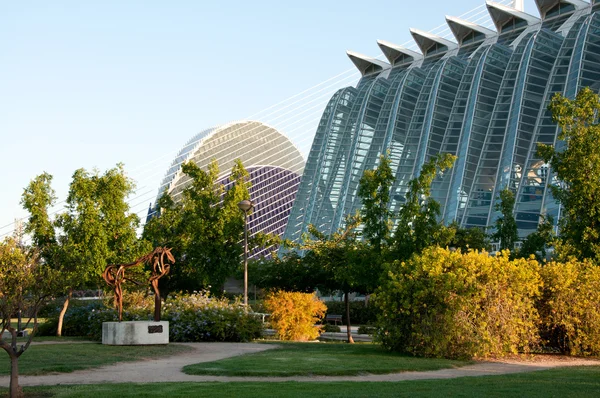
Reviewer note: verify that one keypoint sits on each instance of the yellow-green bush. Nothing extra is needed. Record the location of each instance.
(570, 307)
(459, 305)
(293, 314)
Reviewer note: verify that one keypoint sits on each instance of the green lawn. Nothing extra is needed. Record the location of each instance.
(319, 359)
(41, 359)
(565, 382)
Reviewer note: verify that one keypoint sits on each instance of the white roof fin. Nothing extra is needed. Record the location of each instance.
(367, 65)
(544, 6)
(429, 42)
(462, 29)
(502, 15)
(398, 55)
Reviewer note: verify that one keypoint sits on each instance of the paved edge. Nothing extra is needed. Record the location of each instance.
(169, 369)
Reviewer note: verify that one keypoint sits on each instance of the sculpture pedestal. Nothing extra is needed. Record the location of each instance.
(135, 333)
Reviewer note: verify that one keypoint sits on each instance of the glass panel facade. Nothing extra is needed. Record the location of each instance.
(486, 103)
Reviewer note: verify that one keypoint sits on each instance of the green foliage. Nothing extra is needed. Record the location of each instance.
(374, 192)
(570, 308)
(361, 313)
(577, 167)
(194, 317)
(328, 328)
(199, 317)
(294, 314)
(506, 225)
(454, 305)
(204, 226)
(467, 238)
(537, 242)
(366, 329)
(418, 225)
(96, 228)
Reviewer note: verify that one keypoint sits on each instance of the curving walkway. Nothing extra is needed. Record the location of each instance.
(169, 369)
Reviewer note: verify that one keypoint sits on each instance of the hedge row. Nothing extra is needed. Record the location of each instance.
(449, 304)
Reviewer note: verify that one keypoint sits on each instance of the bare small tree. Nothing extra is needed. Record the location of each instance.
(22, 287)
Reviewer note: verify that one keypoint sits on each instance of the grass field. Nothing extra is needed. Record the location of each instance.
(42, 359)
(565, 382)
(319, 359)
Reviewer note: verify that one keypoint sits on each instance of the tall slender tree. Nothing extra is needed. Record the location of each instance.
(418, 224)
(374, 192)
(576, 164)
(506, 226)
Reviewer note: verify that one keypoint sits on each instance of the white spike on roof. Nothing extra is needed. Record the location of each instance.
(501, 14)
(425, 40)
(545, 5)
(461, 28)
(519, 5)
(393, 52)
(367, 65)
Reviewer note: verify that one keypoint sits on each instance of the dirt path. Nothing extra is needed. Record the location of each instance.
(169, 369)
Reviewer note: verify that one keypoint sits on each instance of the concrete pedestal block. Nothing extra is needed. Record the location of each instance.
(135, 333)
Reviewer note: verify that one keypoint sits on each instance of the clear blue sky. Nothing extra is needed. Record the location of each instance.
(92, 83)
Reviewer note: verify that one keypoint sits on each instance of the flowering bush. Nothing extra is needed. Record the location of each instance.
(293, 314)
(452, 304)
(199, 317)
(570, 308)
(194, 317)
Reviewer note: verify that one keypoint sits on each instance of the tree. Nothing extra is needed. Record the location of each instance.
(345, 262)
(24, 285)
(94, 230)
(204, 228)
(418, 225)
(374, 192)
(506, 225)
(577, 169)
(468, 238)
(537, 242)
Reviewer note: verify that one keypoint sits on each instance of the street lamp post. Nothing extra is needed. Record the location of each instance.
(245, 206)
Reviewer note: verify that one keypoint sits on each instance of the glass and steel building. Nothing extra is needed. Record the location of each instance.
(274, 163)
(482, 97)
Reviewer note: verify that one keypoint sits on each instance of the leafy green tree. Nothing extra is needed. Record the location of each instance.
(24, 285)
(94, 230)
(468, 238)
(418, 225)
(204, 228)
(577, 168)
(374, 192)
(537, 243)
(506, 225)
(345, 262)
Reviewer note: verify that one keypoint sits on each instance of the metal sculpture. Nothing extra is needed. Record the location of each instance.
(114, 275)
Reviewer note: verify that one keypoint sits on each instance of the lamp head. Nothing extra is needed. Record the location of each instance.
(245, 205)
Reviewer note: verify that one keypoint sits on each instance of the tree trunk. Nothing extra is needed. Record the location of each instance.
(15, 389)
(11, 349)
(63, 311)
(348, 327)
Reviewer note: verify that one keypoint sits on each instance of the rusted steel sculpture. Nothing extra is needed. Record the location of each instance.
(114, 275)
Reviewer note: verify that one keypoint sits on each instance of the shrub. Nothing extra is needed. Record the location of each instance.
(195, 317)
(454, 305)
(331, 328)
(198, 317)
(294, 314)
(366, 329)
(361, 313)
(570, 307)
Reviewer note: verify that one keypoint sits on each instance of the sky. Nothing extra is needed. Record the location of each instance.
(89, 84)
